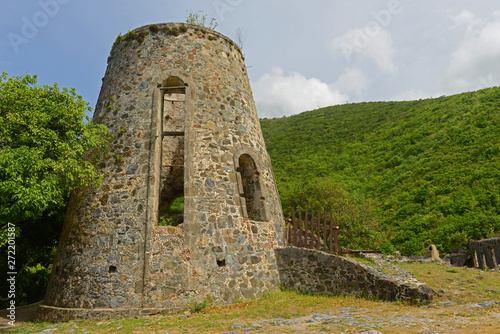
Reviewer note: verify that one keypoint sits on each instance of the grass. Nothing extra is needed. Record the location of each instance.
(216, 318)
(462, 285)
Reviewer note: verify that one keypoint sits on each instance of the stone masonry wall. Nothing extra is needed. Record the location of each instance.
(486, 252)
(112, 253)
(313, 271)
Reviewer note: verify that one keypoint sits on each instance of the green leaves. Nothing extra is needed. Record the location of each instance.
(356, 217)
(43, 140)
(434, 157)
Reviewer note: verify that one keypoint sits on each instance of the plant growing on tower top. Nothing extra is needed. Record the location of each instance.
(200, 19)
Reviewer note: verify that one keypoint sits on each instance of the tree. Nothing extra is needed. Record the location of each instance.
(44, 138)
(356, 217)
(47, 149)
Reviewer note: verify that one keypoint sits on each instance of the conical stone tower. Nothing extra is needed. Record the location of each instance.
(178, 103)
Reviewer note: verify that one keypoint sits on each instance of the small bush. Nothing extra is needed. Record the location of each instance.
(174, 31)
(154, 28)
(197, 307)
(135, 36)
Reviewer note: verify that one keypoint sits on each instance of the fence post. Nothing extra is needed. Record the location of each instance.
(318, 233)
(331, 232)
(288, 231)
(301, 231)
(336, 239)
(311, 237)
(300, 228)
(324, 232)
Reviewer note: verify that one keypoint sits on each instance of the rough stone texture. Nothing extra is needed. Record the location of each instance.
(486, 253)
(112, 254)
(432, 253)
(313, 271)
(460, 259)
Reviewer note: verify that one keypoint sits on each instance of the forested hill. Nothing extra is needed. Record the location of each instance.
(431, 166)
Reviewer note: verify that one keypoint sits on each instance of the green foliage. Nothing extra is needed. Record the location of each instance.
(197, 307)
(430, 166)
(154, 28)
(177, 206)
(199, 19)
(36, 245)
(174, 31)
(135, 36)
(172, 216)
(48, 148)
(356, 218)
(43, 140)
(118, 159)
(167, 221)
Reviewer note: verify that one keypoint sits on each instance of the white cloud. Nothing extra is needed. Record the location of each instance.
(371, 41)
(353, 80)
(466, 17)
(413, 94)
(277, 94)
(474, 64)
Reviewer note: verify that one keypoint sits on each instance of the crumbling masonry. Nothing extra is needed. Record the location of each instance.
(178, 103)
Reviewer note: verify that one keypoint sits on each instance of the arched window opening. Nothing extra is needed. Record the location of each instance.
(250, 189)
(173, 111)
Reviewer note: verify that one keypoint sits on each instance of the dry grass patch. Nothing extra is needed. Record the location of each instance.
(458, 284)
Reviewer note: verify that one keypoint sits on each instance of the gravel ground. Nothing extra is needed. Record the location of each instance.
(442, 318)
(481, 318)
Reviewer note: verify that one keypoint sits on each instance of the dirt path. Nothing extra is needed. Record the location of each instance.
(22, 314)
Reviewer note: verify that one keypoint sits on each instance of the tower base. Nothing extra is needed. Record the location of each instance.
(57, 314)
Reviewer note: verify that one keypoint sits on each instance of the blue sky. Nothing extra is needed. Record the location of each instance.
(300, 54)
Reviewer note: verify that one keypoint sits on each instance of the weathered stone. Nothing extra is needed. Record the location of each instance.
(132, 169)
(118, 301)
(180, 127)
(356, 278)
(255, 259)
(247, 293)
(486, 253)
(433, 253)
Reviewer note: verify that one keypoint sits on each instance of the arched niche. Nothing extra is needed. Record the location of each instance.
(250, 189)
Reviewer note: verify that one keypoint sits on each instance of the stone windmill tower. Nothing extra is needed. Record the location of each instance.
(178, 103)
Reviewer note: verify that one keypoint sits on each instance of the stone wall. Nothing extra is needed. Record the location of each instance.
(312, 271)
(486, 253)
(112, 254)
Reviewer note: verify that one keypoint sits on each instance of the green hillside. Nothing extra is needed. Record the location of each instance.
(432, 167)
